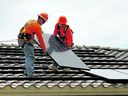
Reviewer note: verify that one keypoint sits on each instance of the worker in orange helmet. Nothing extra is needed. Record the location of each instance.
(63, 30)
(26, 40)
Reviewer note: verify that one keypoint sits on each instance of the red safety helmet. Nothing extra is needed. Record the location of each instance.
(44, 16)
(62, 20)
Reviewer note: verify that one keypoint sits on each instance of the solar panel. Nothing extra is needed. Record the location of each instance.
(61, 54)
(109, 74)
(124, 71)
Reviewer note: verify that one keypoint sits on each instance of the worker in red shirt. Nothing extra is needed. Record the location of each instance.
(63, 30)
(26, 40)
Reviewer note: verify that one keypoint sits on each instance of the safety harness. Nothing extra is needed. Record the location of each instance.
(24, 37)
(65, 27)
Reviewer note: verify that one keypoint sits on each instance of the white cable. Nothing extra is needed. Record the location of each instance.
(12, 40)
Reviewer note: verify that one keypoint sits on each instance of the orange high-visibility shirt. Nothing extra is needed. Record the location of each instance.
(35, 28)
(68, 35)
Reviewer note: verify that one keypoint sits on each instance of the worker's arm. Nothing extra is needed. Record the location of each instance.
(55, 30)
(41, 41)
(69, 38)
(39, 35)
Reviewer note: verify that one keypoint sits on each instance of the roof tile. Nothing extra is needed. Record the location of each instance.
(96, 57)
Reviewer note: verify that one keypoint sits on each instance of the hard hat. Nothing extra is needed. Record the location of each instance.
(62, 20)
(44, 16)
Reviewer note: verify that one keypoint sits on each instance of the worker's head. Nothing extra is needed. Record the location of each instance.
(42, 18)
(62, 20)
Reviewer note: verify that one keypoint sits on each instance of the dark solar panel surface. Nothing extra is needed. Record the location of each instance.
(61, 54)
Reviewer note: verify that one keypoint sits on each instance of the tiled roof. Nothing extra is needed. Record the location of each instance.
(96, 57)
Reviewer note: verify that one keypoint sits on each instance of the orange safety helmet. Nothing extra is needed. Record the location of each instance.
(44, 16)
(62, 20)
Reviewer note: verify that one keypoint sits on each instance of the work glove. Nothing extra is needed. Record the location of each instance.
(46, 52)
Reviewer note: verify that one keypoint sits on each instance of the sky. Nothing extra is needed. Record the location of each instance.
(94, 22)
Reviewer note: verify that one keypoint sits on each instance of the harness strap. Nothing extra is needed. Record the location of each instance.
(25, 36)
(65, 29)
(23, 39)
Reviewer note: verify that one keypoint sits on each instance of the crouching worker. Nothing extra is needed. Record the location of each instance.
(63, 30)
(26, 40)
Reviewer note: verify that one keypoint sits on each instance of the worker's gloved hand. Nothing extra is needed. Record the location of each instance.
(46, 52)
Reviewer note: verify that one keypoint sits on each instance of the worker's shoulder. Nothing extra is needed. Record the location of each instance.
(31, 22)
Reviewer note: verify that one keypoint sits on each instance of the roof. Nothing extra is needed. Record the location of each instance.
(96, 57)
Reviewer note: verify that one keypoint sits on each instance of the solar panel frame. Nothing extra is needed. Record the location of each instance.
(109, 74)
(61, 54)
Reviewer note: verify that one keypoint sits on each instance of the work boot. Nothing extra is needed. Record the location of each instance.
(36, 76)
(52, 67)
(25, 73)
